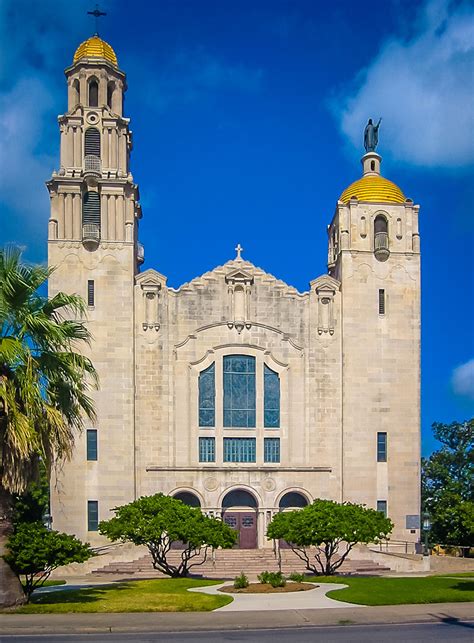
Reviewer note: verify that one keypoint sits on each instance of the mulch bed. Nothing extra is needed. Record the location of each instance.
(266, 588)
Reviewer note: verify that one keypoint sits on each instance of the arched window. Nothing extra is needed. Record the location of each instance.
(92, 142)
(239, 498)
(381, 238)
(93, 93)
(271, 398)
(75, 93)
(110, 93)
(239, 391)
(292, 499)
(380, 224)
(188, 498)
(91, 209)
(207, 397)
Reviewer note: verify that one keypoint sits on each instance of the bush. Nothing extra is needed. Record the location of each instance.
(276, 579)
(296, 577)
(263, 577)
(241, 581)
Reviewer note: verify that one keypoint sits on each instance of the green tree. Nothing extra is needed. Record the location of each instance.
(159, 521)
(33, 552)
(331, 528)
(448, 484)
(44, 386)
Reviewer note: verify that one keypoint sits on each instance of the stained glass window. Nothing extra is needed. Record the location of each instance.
(91, 436)
(239, 449)
(207, 397)
(239, 391)
(382, 507)
(271, 450)
(381, 447)
(271, 398)
(207, 450)
(92, 515)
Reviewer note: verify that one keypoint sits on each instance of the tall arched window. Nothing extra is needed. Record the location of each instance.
(75, 93)
(271, 398)
(239, 391)
(93, 93)
(110, 93)
(92, 142)
(381, 238)
(91, 209)
(207, 397)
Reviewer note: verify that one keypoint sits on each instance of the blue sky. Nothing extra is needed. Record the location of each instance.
(248, 119)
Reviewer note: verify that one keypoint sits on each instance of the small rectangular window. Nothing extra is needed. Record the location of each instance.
(91, 435)
(381, 447)
(90, 292)
(207, 450)
(381, 301)
(271, 450)
(239, 449)
(382, 507)
(92, 515)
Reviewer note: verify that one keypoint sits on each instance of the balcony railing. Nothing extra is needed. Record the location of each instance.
(381, 248)
(90, 235)
(92, 164)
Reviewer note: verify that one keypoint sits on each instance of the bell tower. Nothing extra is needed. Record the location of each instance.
(93, 246)
(374, 251)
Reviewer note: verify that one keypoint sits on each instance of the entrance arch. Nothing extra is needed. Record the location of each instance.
(239, 511)
(291, 501)
(188, 498)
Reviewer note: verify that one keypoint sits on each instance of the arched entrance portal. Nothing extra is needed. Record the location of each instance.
(239, 511)
(188, 498)
(289, 502)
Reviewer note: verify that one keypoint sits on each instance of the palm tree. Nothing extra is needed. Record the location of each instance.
(44, 385)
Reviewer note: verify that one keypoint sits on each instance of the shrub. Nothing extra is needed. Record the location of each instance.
(296, 577)
(263, 577)
(276, 579)
(241, 581)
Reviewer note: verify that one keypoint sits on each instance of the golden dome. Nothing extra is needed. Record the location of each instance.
(375, 189)
(95, 47)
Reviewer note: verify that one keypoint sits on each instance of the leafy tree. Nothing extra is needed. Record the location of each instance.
(44, 385)
(33, 552)
(159, 521)
(448, 484)
(33, 504)
(328, 526)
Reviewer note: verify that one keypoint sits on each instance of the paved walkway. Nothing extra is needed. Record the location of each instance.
(311, 599)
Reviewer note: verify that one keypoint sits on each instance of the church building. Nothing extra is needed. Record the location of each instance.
(234, 392)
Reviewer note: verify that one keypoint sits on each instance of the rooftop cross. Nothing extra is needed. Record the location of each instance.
(96, 13)
(238, 249)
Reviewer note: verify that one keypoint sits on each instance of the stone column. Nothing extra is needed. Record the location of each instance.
(119, 219)
(111, 217)
(105, 150)
(60, 216)
(68, 216)
(76, 217)
(104, 227)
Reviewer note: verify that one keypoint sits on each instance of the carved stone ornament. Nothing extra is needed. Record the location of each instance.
(239, 283)
(325, 287)
(151, 283)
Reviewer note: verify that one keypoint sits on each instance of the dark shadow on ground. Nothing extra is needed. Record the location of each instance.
(83, 595)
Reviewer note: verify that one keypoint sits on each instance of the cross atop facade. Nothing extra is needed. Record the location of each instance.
(238, 249)
(97, 13)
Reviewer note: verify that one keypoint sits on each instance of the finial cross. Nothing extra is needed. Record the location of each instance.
(97, 13)
(238, 249)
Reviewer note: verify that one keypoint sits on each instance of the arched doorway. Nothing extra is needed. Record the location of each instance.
(188, 498)
(289, 502)
(239, 511)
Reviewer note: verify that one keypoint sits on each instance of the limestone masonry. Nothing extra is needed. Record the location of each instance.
(235, 392)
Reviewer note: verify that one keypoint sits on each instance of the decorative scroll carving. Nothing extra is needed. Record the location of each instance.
(326, 288)
(239, 285)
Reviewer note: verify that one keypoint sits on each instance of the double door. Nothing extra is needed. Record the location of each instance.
(245, 524)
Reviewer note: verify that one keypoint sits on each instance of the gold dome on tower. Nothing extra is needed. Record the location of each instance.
(374, 189)
(95, 47)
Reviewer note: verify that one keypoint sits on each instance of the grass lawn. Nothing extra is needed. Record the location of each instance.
(161, 595)
(400, 591)
(51, 583)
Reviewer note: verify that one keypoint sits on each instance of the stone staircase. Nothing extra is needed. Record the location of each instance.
(231, 562)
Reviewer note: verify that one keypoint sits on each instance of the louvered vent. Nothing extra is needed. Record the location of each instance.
(91, 209)
(92, 142)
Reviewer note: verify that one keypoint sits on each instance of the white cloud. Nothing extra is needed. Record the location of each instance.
(462, 379)
(423, 88)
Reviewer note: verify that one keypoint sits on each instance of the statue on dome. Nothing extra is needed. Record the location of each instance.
(371, 135)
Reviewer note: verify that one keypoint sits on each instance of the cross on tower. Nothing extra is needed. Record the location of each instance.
(238, 249)
(97, 13)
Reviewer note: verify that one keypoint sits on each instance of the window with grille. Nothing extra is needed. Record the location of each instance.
(207, 397)
(239, 449)
(382, 507)
(271, 398)
(91, 437)
(239, 391)
(90, 292)
(91, 209)
(381, 302)
(92, 142)
(381, 447)
(207, 450)
(271, 450)
(92, 515)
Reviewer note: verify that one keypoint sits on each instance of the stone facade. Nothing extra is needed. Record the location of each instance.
(345, 354)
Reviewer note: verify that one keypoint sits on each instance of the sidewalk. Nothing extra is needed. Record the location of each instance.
(191, 621)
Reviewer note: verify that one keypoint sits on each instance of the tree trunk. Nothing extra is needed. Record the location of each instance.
(11, 591)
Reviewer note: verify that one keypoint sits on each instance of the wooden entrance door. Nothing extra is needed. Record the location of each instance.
(245, 524)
